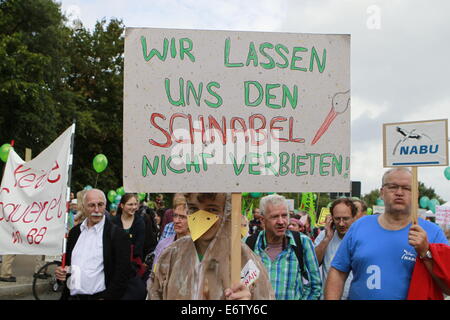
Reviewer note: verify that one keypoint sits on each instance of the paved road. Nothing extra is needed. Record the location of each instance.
(23, 270)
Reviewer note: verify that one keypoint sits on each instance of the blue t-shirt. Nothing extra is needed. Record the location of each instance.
(381, 260)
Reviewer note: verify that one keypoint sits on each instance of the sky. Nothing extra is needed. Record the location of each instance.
(399, 52)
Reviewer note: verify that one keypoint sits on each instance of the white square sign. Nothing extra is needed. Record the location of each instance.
(416, 144)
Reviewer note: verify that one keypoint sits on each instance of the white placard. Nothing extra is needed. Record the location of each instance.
(378, 209)
(416, 144)
(227, 111)
(33, 199)
(250, 273)
(443, 215)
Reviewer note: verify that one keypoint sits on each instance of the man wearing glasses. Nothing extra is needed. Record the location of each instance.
(343, 213)
(381, 250)
(180, 225)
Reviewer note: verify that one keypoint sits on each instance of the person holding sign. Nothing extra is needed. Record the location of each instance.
(343, 214)
(381, 250)
(287, 255)
(198, 267)
(98, 253)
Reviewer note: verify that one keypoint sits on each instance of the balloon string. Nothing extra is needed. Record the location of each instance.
(95, 186)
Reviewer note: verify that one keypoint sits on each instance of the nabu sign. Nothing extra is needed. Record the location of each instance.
(418, 143)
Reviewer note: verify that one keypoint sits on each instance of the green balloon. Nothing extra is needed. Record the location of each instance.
(447, 173)
(4, 152)
(111, 195)
(255, 194)
(141, 196)
(244, 194)
(424, 202)
(369, 211)
(100, 163)
(120, 191)
(432, 205)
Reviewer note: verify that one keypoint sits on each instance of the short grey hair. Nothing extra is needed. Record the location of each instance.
(272, 199)
(404, 169)
(98, 190)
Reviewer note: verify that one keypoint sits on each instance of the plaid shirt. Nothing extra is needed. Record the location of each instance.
(285, 273)
(168, 231)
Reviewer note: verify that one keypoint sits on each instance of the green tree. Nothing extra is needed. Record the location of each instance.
(371, 198)
(51, 74)
(429, 192)
(96, 76)
(33, 66)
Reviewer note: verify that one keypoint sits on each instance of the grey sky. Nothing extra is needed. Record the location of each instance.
(399, 52)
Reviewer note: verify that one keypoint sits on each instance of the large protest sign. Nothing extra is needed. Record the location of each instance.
(225, 111)
(33, 199)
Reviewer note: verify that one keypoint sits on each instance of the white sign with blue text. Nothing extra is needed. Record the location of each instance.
(416, 143)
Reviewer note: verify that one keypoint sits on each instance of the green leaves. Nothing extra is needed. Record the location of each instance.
(51, 74)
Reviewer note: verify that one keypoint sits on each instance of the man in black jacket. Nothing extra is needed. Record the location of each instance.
(98, 254)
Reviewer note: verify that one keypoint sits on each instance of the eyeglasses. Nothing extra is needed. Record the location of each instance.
(337, 220)
(392, 187)
(93, 205)
(179, 216)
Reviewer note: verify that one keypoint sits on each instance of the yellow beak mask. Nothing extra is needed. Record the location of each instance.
(199, 222)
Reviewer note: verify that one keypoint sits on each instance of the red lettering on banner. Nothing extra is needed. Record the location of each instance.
(43, 206)
(31, 179)
(38, 209)
(218, 127)
(234, 130)
(172, 119)
(259, 130)
(12, 212)
(168, 137)
(15, 207)
(58, 177)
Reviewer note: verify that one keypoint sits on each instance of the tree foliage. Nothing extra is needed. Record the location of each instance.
(50, 75)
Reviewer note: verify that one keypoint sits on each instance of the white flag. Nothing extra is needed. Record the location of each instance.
(33, 199)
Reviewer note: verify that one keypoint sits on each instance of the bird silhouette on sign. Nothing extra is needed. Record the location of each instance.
(408, 135)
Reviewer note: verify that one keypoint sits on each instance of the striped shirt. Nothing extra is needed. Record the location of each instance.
(285, 273)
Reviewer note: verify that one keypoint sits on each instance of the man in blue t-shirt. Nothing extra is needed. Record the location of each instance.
(381, 250)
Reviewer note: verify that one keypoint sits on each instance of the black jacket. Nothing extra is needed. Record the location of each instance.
(136, 235)
(116, 260)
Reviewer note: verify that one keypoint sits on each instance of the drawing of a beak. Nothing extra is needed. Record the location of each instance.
(340, 104)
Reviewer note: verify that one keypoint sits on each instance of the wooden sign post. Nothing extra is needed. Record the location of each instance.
(414, 196)
(236, 200)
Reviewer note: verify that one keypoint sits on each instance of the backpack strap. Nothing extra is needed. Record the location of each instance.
(299, 252)
(251, 241)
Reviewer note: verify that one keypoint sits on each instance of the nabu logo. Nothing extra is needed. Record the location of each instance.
(412, 135)
(408, 256)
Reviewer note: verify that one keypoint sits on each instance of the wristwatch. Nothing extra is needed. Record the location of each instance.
(427, 255)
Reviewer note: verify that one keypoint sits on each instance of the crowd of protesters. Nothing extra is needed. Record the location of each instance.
(146, 251)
